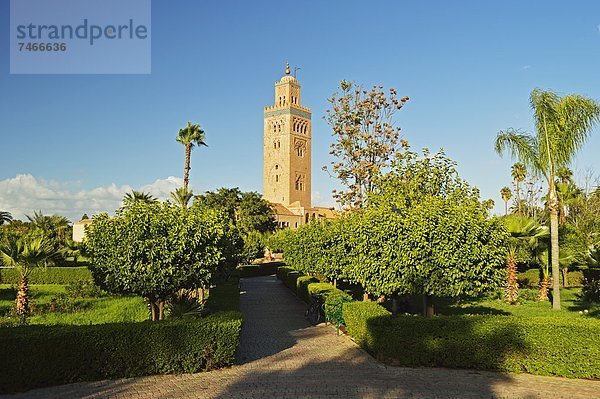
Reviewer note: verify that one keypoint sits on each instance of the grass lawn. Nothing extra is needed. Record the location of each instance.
(98, 310)
(571, 305)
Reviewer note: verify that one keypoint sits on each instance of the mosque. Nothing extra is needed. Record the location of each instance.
(287, 157)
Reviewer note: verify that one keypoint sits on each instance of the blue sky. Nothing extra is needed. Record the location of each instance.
(79, 141)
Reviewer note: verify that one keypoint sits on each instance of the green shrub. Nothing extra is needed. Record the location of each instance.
(529, 278)
(254, 246)
(591, 290)
(302, 287)
(307, 286)
(35, 356)
(289, 276)
(537, 345)
(49, 275)
(84, 289)
(575, 278)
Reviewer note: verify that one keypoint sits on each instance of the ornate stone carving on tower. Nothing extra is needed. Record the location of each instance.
(287, 135)
(287, 155)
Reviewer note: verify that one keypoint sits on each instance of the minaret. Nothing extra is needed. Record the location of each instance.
(287, 146)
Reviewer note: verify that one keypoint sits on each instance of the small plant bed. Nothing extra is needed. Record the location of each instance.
(108, 336)
(69, 304)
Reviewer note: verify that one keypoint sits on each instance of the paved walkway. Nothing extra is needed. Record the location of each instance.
(282, 357)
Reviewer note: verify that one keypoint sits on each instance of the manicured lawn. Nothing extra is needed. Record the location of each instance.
(83, 311)
(571, 305)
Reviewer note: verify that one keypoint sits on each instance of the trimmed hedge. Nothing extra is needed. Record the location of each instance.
(35, 356)
(538, 345)
(307, 286)
(531, 278)
(48, 275)
(263, 269)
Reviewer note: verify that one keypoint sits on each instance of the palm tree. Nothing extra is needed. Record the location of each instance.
(506, 194)
(562, 127)
(566, 191)
(524, 233)
(190, 136)
(5, 217)
(137, 196)
(518, 172)
(182, 197)
(25, 254)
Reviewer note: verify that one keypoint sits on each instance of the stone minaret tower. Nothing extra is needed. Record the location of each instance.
(287, 146)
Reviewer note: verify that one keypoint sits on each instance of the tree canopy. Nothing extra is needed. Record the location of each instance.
(155, 249)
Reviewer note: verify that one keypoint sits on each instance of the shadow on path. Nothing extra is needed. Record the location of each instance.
(271, 314)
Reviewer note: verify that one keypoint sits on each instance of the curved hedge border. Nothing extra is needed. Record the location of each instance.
(35, 356)
(49, 275)
(306, 286)
(537, 345)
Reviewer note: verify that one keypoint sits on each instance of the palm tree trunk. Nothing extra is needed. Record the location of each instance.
(505, 208)
(511, 293)
(519, 205)
(544, 284)
(22, 301)
(554, 256)
(186, 168)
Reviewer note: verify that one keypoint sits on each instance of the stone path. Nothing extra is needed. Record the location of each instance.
(282, 357)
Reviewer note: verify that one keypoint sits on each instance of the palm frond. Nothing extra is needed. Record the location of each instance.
(520, 146)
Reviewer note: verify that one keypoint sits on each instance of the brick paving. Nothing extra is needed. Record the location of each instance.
(282, 357)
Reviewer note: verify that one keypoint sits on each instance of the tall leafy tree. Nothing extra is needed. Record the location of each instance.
(562, 125)
(156, 249)
(506, 195)
(190, 136)
(248, 210)
(365, 138)
(25, 254)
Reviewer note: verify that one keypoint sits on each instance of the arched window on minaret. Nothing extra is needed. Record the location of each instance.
(299, 182)
(300, 146)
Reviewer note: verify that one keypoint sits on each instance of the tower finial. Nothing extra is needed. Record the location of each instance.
(287, 68)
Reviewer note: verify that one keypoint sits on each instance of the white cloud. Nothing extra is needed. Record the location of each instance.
(25, 194)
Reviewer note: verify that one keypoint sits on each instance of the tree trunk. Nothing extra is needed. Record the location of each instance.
(22, 301)
(153, 310)
(395, 304)
(554, 254)
(428, 310)
(565, 276)
(505, 208)
(511, 291)
(366, 297)
(544, 285)
(161, 309)
(186, 169)
(519, 205)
